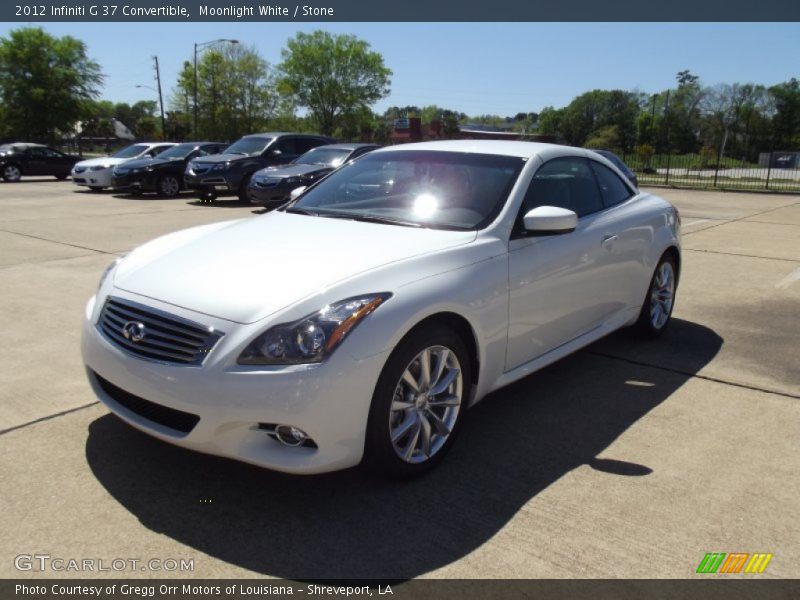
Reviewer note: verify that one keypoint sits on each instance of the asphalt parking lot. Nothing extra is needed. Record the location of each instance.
(628, 459)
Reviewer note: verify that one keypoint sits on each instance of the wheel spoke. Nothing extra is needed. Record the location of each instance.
(413, 438)
(401, 405)
(441, 364)
(446, 401)
(441, 428)
(404, 427)
(444, 382)
(410, 381)
(426, 435)
(425, 368)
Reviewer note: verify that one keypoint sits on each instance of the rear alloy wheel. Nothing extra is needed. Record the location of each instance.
(11, 173)
(169, 186)
(657, 307)
(419, 403)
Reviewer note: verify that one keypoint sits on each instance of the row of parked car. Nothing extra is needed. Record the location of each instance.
(261, 168)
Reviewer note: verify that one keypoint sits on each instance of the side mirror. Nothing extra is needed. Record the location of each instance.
(550, 220)
(297, 191)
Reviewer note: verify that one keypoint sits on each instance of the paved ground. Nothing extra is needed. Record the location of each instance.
(629, 459)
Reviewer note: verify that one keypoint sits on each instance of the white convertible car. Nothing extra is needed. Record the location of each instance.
(96, 173)
(360, 321)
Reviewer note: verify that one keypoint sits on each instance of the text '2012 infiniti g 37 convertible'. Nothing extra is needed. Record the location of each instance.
(362, 319)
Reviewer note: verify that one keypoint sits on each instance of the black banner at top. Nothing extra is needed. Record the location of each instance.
(321, 11)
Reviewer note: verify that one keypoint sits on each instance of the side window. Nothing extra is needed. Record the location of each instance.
(50, 153)
(36, 152)
(612, 188)
(286, 146)
(306, 144)
(566, 183)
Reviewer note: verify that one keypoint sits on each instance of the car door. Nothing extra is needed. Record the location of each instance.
(287, 151)
(559, 285)
(628, 241)
(57, 163)
(36, 161)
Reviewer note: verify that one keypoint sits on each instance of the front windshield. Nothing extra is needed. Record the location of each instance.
(328, 157)
(179, 151)
(248, 145)
(446, 190)
(131, 151)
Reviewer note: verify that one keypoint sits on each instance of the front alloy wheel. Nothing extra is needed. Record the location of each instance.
(426, 404)
(657, 307)
(419, 402)
(11, 173)
(169, 186)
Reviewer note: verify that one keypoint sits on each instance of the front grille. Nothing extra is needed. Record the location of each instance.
(163, 415)
(154, 334)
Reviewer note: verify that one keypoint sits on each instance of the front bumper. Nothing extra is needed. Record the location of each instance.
(217, 182)
(142, 181)
(266, 194)
(101, 178)
(329, 401)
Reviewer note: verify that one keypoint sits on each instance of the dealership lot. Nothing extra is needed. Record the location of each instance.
(628, 459)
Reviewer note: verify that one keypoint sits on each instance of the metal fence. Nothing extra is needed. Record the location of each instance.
(774, 171)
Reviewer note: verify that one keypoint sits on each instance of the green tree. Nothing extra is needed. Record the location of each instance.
(332, 76)
(236, 92)
(47, 83)
(786, 120)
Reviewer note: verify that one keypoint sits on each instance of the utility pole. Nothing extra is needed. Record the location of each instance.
(160, 100)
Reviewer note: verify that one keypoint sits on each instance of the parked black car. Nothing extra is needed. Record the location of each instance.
(274, 184)
(229, 174)
(22, 158)
(164, 173)
(617, 161)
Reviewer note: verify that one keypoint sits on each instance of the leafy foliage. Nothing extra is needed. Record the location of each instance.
(47, 84)
(335, 77)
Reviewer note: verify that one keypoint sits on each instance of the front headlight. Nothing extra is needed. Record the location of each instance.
(220, 166)
(312, 338)
(292, 180)
(108, 271)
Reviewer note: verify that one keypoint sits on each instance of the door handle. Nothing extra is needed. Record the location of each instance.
(607, 239)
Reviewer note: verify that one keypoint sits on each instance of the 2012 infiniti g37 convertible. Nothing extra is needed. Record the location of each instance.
(361, 320)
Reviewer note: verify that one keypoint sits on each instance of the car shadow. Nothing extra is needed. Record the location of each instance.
(356, 525)
(220, 202)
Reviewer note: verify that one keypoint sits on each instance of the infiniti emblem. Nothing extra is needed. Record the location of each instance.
(133, 331)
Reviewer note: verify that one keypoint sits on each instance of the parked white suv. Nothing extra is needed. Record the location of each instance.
(95, 173)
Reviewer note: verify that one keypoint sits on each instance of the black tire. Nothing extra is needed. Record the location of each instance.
(648, 325)
(244, 193)
(169, 186)
(380, 454)
(12, 173)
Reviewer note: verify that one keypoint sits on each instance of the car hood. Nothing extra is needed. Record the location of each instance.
(292, 170)
(149, 162)
(221, 158)
(103, 160)
(246, 270)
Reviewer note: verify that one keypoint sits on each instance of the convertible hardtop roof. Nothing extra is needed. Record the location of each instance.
(500, 147)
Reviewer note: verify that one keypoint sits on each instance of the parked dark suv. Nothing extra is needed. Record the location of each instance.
(164, 173)
(229, 174)
(21, 158)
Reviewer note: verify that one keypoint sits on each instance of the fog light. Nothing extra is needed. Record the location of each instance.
(290, 436)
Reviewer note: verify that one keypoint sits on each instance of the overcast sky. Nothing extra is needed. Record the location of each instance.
(477, 68)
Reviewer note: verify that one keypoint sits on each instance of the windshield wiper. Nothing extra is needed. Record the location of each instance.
(370, 219)
(300, 211)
